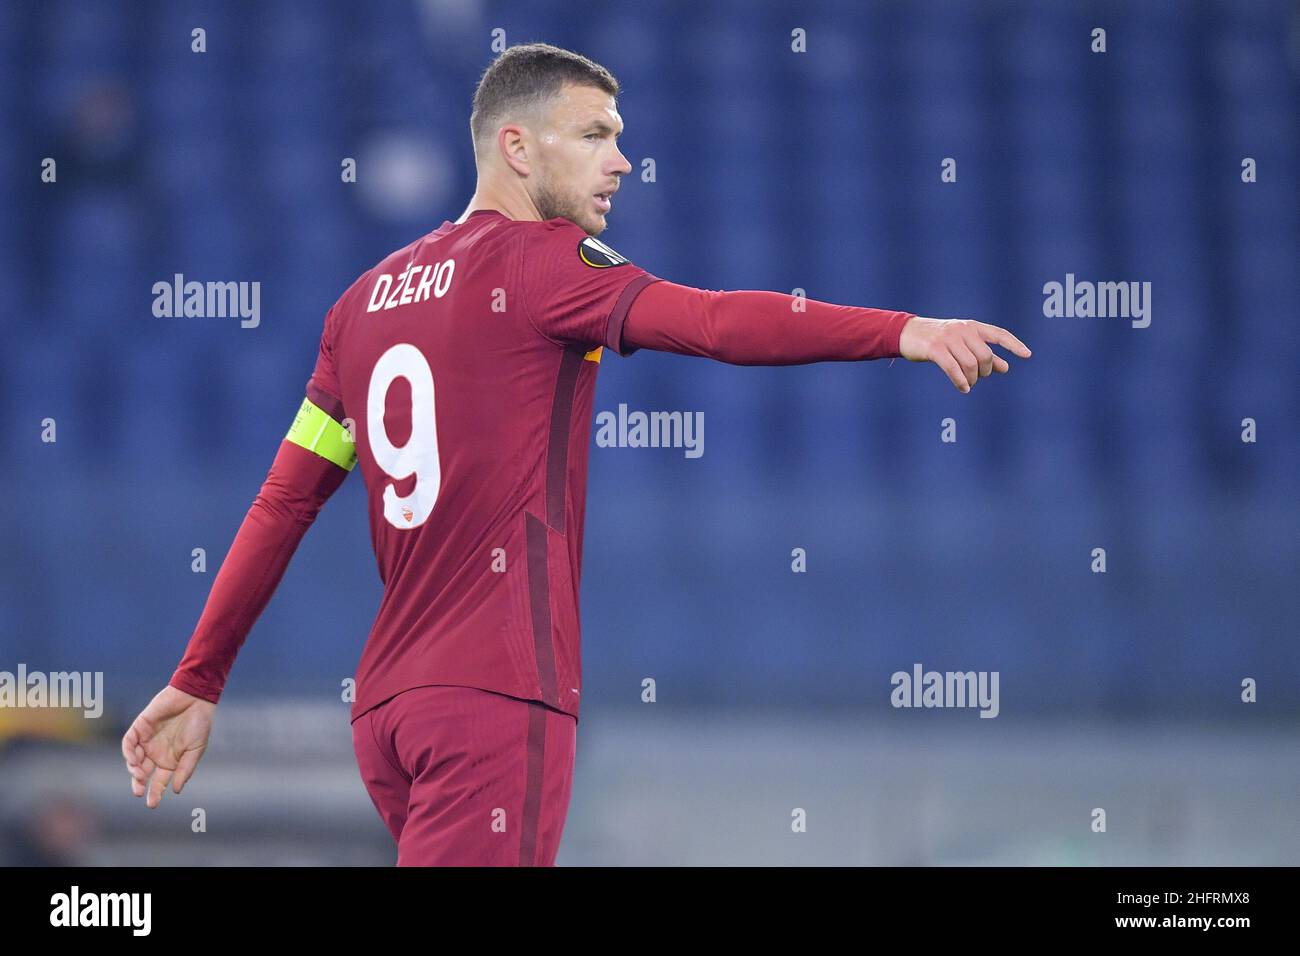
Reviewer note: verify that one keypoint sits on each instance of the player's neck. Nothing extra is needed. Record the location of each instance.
(512, 207)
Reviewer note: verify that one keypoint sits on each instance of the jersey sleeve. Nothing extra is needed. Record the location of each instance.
(313, 458)
(323, 387)
(303, 476)
(750, 327)
(577, 290)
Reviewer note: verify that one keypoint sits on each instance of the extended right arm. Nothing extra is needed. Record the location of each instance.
(771, 328)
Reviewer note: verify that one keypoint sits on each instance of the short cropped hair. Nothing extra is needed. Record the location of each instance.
(523, 78)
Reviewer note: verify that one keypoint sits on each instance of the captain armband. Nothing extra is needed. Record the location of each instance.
(316, 431)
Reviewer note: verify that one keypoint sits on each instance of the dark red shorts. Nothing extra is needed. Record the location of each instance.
(468, 777)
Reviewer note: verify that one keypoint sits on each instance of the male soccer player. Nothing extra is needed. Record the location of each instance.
(459, 373)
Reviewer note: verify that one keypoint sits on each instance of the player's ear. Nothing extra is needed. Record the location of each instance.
(512, 141)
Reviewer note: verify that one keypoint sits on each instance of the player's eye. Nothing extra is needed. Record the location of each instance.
(591, 135)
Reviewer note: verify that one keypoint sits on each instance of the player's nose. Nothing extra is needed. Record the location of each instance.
(621, 167)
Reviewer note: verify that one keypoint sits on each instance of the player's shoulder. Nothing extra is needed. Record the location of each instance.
(558, 226)
(566, 240)
(534, 234)
(555, 230)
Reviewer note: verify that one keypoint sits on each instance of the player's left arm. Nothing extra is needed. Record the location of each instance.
(164, 743)
(313, 459)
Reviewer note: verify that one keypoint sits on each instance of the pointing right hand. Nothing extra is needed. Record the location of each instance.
(959, 347)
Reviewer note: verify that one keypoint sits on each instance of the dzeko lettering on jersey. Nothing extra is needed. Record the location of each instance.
(413, 284)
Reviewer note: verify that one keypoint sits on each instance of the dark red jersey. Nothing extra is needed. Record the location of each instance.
(466, 363)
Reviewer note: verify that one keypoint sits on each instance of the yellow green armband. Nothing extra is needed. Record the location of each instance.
(316, 431)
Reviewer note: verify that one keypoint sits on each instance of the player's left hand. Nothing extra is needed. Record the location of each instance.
(959, 347)
(167, 739)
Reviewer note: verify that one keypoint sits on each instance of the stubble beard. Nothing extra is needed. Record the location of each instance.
(552, 204)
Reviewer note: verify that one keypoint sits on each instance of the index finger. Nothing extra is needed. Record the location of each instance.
(1001, 336)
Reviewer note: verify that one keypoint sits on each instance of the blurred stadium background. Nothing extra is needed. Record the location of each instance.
(773, 170)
